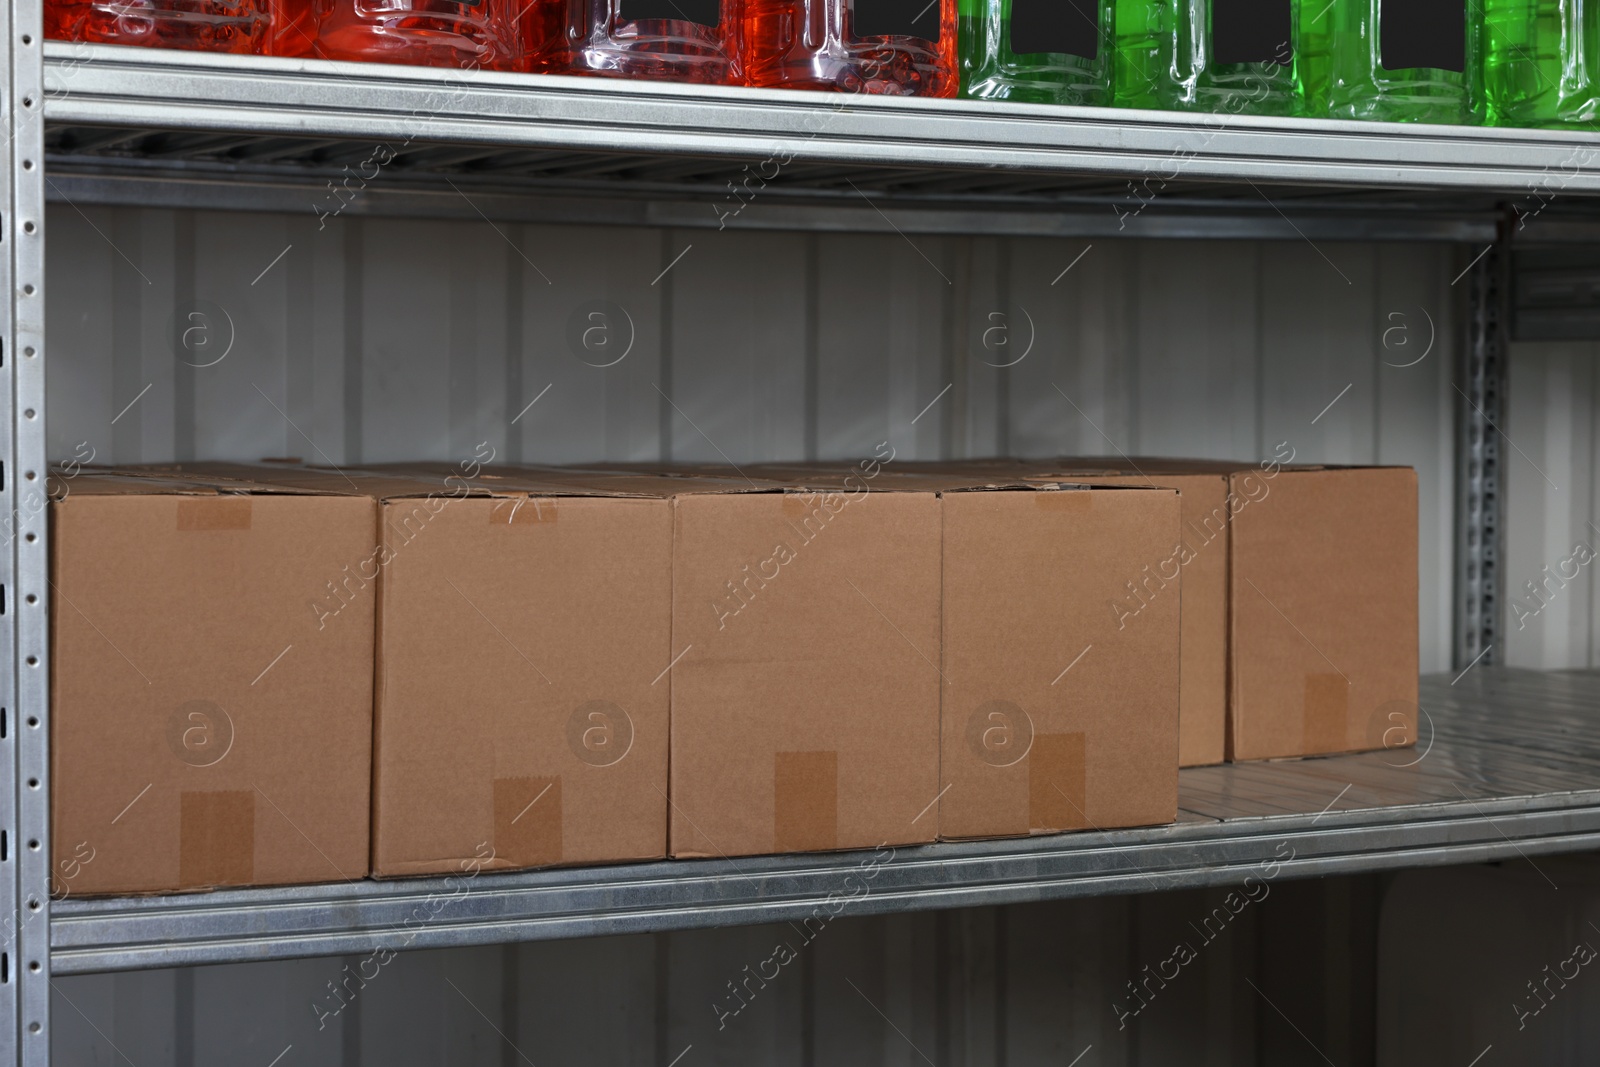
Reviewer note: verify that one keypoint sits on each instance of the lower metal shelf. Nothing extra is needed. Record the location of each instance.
(1508, 766)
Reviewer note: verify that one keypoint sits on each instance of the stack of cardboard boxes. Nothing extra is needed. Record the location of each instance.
(514, 668)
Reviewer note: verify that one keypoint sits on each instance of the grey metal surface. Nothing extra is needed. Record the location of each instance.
(186, 104)
(24, 599)
(82, 180)
(1555, 293)
(10, 650)
(1480, 415)
(1508, 765)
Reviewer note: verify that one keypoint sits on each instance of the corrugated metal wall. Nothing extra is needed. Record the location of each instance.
(1553, 483)
(1040, 984)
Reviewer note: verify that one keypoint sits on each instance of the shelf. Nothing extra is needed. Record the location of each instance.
(1512, 770)
(124, 124)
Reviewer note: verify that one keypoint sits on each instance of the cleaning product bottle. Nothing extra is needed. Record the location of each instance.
(1541, 62)
(891, 47)
(435, 33)
(679, 40)
(1036, 51)
(292, 30)
(1406, 60)
(1313, 53)
(1225, 56)
(202, 25)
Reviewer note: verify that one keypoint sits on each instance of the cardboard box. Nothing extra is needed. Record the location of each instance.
(1198, 562)
(1324, 610)
(803, 678)
(205, 729)
(1057, 716)
(1057, 713)
(525, 628)
(805, 690)
(1321, 588)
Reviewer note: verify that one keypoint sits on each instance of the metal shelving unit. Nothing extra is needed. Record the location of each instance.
(1512, 767)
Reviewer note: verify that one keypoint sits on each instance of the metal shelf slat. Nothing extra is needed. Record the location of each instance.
(198, 92)
(1338, 814)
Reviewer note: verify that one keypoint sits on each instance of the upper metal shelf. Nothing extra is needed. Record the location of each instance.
(1508, 768)
(167, 90)
(129, 118)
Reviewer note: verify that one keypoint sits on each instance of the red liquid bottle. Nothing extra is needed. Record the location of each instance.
(890, 47)
(677, 40)
(431, 33)
(293, 31)
(201, 25)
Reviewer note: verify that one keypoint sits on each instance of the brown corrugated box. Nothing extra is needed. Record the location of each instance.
(207, 728)
(1055, 716)
(524, 628)
(805, 703)
(803, 667)
(1055, 713)
(1323, 611)
(1321, 594)
(803, 674)
(1199, 558)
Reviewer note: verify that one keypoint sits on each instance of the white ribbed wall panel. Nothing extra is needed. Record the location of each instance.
(1550, 453)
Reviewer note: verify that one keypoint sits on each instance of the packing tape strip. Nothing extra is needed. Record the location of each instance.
(216, 838)
(1056, 782)
(1325, 717)
(805, 801)
(527, 821)
(521, 510)
(214, 513)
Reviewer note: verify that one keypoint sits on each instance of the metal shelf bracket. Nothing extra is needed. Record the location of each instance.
(24, 585)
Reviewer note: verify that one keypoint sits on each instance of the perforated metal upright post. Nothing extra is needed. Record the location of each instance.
(24, 581)
(1480, 415)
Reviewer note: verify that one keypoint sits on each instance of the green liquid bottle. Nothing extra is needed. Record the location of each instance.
(1541, 62)
(1036, 51)
(1406, 60)
(1314, 55)
(1223, 56)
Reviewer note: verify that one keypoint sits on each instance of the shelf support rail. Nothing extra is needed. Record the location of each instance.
(24, 582)
(1480, 412)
